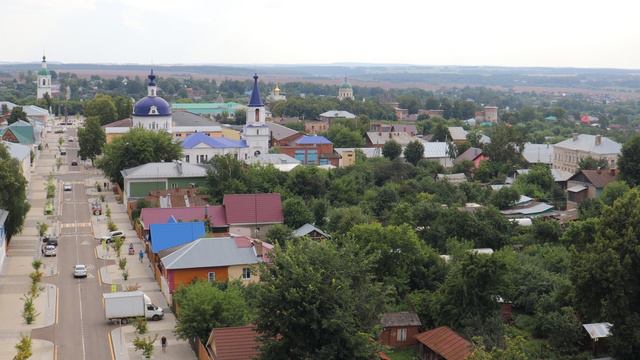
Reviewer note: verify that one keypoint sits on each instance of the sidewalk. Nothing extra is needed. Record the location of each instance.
(141, 275)
(14, 280)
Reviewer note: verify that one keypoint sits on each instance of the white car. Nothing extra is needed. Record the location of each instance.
(49, 250)
(110, 235)
(67, 187)
(79, 270)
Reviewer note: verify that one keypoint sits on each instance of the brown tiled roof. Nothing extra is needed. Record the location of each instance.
(599, 178)
(403, 318)
(233, 343)
(446, 343)
(128, 122)
(470, 154)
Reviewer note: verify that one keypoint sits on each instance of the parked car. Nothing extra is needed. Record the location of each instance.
(74, 163)
(67, 187)
(79, 271)
(49, 250)
(112, 234)
(70, 139)
(63, 152)
(51, 240)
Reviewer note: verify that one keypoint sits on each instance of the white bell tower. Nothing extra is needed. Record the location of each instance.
(44, 80)
(256, 132)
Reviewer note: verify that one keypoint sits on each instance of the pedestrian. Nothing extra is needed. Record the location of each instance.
(163, 341)
(141, 255)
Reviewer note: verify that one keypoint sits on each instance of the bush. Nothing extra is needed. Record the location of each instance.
(29, 310)
(145, 344)
(111, 226)
(24, 348)
(141, 325)
(122, 263)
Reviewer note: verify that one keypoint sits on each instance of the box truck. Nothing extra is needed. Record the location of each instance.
(124, 306)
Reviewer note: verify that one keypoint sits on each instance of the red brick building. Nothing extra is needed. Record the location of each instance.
(311, 150)
(399, 329)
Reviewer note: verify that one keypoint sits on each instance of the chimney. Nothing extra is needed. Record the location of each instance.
(598, 139)
(179, 164)
(257, 247)
(599, 170)
(575, 136)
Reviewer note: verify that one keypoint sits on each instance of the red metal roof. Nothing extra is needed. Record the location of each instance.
(234, 343)
(253, 208)
(216, 214)
(446, 343)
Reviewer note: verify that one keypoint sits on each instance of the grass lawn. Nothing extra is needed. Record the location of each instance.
(402, 354)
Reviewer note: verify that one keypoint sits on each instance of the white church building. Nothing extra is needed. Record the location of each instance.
(152, 112)
(44, 80)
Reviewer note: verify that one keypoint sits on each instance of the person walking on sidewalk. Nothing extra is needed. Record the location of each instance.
(163, 342)
(141, 255)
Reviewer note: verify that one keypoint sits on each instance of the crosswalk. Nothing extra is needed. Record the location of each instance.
(75, 225)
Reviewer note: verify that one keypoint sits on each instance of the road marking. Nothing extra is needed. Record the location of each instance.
(113, 356)
(55, 352)
(81, 322)
(57, 303)
(99, 278)
(74, 225)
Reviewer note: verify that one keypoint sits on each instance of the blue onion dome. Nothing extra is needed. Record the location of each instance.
(152, 105)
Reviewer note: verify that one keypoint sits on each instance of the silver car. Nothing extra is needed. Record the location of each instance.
(49, 250)
(79, 271)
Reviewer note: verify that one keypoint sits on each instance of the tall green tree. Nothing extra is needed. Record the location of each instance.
(590, 163)
(629, 162)
(606, 272)
(91, 138)
(17, 114)
(505, 148)
(414, 152)
(124, 106)
(342, 136)
(296, 212)
(317, 300)
(13, 197)
(103, 107)
(137, 147)
(391, 150)
(226, 175)
(204, 306)
(401, 259)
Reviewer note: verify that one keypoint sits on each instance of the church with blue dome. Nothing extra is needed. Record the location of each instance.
(152, 112)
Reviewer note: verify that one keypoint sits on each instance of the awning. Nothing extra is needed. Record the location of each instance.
(577, 188)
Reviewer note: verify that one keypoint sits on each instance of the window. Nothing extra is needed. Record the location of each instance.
(324, 162)
(246, 273)
(174, 185)
(211, 277)
(299, 155)
(186, 158)
(312, 156)
(401, 335)
(257, 115)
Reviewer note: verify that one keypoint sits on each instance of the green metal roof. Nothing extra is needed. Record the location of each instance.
(44, 72)
(345, 85)
(208, 108)
(23, 131)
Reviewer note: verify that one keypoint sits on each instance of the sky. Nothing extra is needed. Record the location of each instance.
(547, 33)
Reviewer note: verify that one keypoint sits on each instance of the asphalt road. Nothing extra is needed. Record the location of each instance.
(81, 331)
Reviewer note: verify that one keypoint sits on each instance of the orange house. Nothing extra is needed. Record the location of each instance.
(214, 259)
